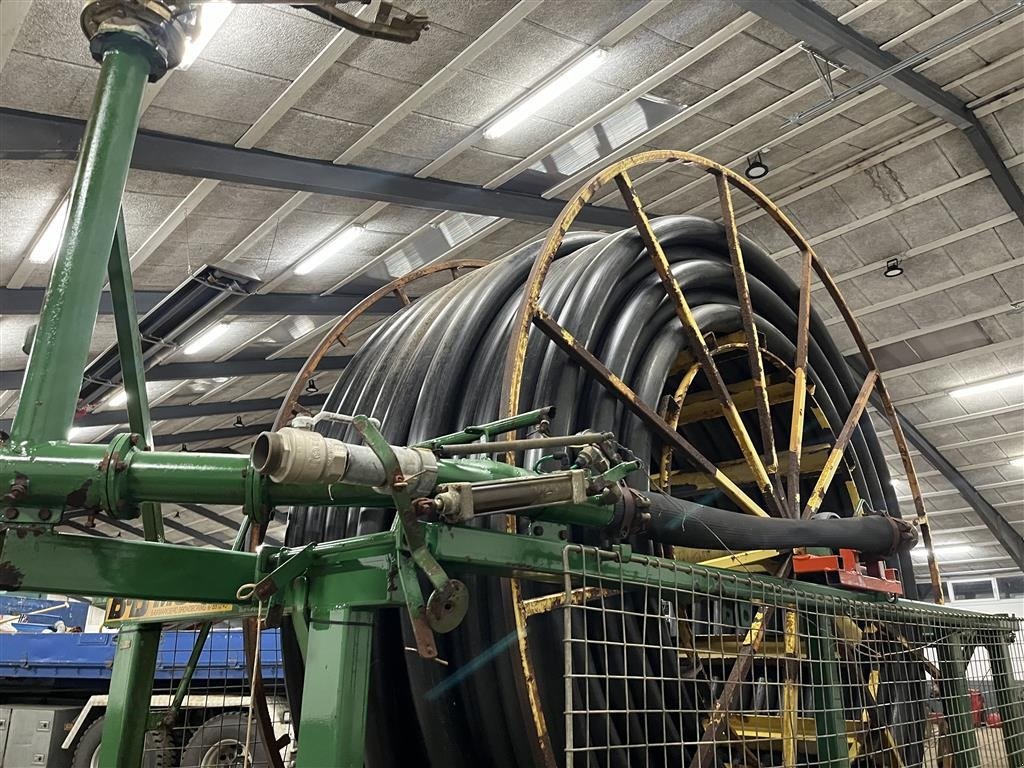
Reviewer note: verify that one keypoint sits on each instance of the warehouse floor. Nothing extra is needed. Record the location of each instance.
(990, 742)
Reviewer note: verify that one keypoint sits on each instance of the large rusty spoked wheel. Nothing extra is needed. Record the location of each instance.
(766, 481)
(336, 335)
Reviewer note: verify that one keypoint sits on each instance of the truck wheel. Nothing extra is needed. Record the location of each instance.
(220, 743)
(159, 750)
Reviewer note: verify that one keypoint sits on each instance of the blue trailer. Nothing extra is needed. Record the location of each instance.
(62, 678)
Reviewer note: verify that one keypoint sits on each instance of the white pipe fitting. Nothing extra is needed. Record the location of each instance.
(299, 456)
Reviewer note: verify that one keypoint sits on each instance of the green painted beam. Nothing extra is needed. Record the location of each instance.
(60, 350)
(334, 697)
(131, 686)
(88, 565)
(129, 347)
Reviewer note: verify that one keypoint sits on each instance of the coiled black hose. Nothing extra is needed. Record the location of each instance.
(436, 366)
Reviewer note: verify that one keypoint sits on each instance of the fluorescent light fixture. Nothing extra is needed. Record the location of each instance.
(949, 550)
(118, 399)
(988, 386)
(46, 245)
(1018, 462)
(211, 18)
(205, 338)
(328, 249)
(546, 94)
(75, 433)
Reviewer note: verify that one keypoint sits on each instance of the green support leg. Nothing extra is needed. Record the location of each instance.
(1010, 700)
(129, 347)
(53, 378)
(334, 698)
(826, 681)
(956, 705)
(131, 686)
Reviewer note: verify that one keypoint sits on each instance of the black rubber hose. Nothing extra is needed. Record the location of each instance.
(435, 367)
(688, 524)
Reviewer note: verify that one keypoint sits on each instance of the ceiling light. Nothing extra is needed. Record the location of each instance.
(546, 94)
(988, 386)
(328, 249)
(204, 339)
(948, 550)
(311, 386)
(118, 399)
(893, 268)
(76, 433)
(47, 243)
(756, 168)
(1018, 462)
(238, 422)
(211, 18)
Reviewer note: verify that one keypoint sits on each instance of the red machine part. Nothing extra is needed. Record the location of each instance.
(848, 570)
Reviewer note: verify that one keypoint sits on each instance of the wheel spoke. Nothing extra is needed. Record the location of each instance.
(832, 463)
(696, 341)
(764, 414)
(619, 389)
(673, 410)
(796, 425)
(739, 270)
(915, 489)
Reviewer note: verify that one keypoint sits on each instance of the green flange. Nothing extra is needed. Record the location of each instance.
(114, 496)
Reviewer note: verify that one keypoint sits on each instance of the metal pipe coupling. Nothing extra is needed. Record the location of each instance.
(299, 457)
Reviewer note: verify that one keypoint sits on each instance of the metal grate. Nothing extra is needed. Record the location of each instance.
(668, 665)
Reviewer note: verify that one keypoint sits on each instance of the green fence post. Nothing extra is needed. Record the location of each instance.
(826, 682)
(956, 707)
(334, 698)
(131, 686)
(1009, 692)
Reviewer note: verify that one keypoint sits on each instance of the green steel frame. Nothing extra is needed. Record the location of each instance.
(334, 589)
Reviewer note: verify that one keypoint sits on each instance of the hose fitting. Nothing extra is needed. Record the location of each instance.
(298, 456)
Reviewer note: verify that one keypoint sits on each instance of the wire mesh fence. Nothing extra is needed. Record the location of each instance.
(202, 702)
(663, 668)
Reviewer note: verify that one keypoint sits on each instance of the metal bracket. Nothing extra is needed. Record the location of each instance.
(617, 473)
(539, 418)
(449, 599)
(284, 574)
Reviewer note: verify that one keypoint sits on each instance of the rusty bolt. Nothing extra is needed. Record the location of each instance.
(45, 514)
(563, 534)
(538, 530)
(424, 507)
(134, 439)
(120, 466)
(11, 513)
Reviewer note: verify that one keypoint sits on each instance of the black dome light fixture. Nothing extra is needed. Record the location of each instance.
(311, 386)
(893, 268)
(238, 422)
(756, 168)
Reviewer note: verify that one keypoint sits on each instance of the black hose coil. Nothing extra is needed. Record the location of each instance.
(436, 366)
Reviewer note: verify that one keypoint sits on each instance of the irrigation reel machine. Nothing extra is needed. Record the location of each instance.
(666, 536)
